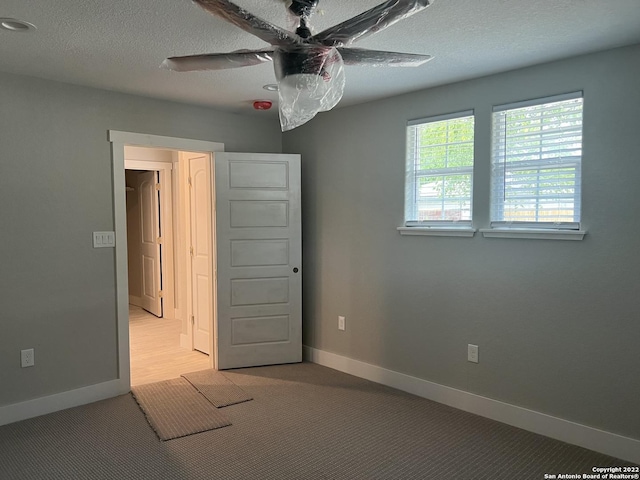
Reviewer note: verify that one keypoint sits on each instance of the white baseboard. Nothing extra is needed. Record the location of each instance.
(133, 300)
(184, 341)
(61, 401)
(588, 437)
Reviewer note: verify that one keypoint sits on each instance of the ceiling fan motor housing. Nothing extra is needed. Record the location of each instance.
(303, 60)
(303, 8)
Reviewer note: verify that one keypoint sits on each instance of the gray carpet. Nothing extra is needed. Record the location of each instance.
(175, 409)
(305, 422)
(217, 388)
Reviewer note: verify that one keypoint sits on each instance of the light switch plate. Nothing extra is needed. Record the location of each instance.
(472, 353)
(104, 239)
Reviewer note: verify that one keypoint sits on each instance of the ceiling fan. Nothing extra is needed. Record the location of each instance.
(308, 67)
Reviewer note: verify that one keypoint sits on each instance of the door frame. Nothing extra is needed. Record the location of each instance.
(119, 140)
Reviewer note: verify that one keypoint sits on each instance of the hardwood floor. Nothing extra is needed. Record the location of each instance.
(155, 350)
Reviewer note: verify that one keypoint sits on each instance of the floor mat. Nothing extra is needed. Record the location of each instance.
(217, 388)
(175, 409)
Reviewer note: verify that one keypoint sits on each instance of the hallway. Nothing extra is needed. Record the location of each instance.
(155, 349)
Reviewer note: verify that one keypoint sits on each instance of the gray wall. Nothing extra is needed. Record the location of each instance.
(57, 293)
(558, 323)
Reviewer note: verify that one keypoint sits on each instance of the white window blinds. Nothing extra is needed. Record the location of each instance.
(536, 163)
(439, 173)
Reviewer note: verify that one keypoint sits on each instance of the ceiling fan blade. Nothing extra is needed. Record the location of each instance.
(248, 22)
(218, 61)
(378, 58)
(369, 22)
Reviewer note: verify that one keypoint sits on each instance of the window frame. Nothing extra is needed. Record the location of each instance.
(497, 229)
(528, 229)
(435, 227)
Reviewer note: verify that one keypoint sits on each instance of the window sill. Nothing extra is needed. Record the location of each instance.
(533, 234)
(438, 231)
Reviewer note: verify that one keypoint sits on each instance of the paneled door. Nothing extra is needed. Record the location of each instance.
(259, 248)
(201, 236)
(151, 299)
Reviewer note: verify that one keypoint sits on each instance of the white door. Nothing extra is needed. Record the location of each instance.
(150, 237)
(258, 242)
(200, 200)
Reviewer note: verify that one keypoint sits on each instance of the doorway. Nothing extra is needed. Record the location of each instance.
(255, 237)
(168, 208)
(154, 331)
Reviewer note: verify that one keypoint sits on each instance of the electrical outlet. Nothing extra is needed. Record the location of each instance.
(27, 358)
(472, 353)
(342, 323)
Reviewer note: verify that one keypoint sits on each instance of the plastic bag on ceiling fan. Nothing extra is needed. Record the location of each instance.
(372, 21)
(310, 80)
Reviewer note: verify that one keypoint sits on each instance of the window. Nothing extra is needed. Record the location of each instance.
(439, 175)
(536, 163)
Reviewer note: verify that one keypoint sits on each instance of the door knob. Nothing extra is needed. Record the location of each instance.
(295, 269)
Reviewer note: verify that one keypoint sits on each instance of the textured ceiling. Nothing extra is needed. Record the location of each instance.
(119, 44)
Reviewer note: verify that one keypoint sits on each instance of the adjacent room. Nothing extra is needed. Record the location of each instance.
(319, 239)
